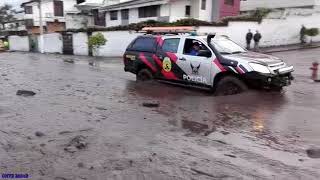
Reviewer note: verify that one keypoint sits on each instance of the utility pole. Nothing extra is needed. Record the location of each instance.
(41, 40)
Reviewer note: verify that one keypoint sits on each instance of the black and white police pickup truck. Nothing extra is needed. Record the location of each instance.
(209, 61)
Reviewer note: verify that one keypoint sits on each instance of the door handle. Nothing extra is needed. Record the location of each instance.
(182, 59)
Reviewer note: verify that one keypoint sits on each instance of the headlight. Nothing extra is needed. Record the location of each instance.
(260, 68)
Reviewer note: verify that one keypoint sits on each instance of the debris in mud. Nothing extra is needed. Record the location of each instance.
(65, 132)
(219, 141)
(39, 134)
(208, 132)
(70, 132)
(151, 104)
(60, 178)
(25, 93)
(224, 132)
(68, 60)
(3, 74)
(80, 165)
(230, 155)
(210, 175)
(313, 152)
(77, 143)
(101, 108)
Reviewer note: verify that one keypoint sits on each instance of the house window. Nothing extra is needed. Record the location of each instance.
(99, 17)
(28, 10)
(113, 15)
(80, 1)
(58, 8)
(229, 2)
(203, 4)
(125, 14)
(188, 10)
(149, 11)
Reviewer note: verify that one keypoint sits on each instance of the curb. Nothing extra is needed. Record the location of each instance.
(291, 49)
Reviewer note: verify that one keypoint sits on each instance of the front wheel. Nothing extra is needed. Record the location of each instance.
(144, 75)
(230, 85)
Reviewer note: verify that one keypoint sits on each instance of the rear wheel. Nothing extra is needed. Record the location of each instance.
(144, 75)
(230, 85)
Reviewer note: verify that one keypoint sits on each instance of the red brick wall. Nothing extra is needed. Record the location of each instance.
(55, 26)
(229, 10)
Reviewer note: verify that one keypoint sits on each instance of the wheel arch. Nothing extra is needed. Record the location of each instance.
(221, 75)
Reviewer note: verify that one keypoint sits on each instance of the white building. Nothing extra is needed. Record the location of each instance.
(119, 12)
(57, 15)
(250, 5)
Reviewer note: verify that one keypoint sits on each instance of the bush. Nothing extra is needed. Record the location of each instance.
(312, 32)
(97, 40)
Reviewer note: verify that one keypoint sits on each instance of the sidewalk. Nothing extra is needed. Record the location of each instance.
(292, 47)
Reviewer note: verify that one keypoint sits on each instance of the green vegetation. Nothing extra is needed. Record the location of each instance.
(312, 32)
(97, 40)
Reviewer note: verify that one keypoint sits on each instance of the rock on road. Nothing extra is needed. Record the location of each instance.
(94, 126)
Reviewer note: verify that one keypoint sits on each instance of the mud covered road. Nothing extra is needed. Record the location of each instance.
(88, 123)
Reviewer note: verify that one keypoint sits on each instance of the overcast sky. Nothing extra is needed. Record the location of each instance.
(15, 3)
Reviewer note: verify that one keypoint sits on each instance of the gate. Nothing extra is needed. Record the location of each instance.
(33, 40)
(67, 43)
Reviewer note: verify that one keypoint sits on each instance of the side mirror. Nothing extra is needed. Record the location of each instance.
(205, 53)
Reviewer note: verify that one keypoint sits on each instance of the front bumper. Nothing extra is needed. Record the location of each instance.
(269, 80)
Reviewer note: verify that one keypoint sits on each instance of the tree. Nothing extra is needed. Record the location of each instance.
(96, 41)
(6, 15)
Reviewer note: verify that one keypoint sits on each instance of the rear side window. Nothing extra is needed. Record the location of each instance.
(145, 44)
(171, 45)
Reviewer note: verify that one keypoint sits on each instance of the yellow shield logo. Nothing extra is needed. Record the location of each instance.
(166, 64)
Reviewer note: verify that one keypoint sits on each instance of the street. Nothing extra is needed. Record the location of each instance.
(89, 123)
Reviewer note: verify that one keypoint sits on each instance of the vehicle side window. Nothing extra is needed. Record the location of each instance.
(171, 45)
(193, 46)
(144, 44)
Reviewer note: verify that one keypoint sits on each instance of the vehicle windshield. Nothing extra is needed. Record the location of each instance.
(226, 46)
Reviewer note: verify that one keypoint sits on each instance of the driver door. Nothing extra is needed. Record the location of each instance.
(197, 68)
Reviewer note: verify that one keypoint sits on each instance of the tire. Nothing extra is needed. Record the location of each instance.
(144, 75)
(230, 85)
(276, 89)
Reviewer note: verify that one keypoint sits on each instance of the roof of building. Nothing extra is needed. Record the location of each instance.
(31, 1)
(133, 4)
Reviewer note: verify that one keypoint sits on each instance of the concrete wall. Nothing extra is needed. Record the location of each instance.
(52, 43)
(254, 4)
(80, 44)
(19, 43)
(116, 44)
(275, 32)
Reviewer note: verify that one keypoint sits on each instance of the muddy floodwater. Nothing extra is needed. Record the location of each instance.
(88, 122)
